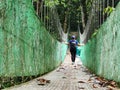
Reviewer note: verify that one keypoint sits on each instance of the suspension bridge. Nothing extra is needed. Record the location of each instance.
(33, 49)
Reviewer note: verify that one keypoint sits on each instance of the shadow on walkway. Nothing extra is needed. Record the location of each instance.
(65, 77)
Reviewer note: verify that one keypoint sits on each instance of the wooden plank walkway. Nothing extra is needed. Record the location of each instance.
(65, 77)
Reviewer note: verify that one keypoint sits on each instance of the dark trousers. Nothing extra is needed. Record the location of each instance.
(73, 54)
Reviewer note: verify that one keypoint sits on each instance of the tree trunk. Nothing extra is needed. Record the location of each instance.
(84, 13)
(83, 18)
(65, 23)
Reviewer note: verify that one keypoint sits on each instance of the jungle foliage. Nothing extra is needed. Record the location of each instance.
(75, 14)
(72, 13)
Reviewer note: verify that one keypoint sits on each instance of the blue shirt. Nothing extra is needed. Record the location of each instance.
(73, 43)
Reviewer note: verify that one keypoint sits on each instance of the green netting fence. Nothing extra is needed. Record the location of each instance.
(101, 53)
(26, 48)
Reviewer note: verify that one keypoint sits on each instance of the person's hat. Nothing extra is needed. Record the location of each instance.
(73, 37)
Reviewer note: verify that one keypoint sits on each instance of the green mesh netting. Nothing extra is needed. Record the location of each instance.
(101, 53)
(26, 48)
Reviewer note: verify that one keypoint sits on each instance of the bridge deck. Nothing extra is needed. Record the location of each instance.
(65, 77)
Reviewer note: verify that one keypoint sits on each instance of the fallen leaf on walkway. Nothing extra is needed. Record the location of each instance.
(89, 79)
(81, 87)
(103, 82)
(113, 83)
(100, 79)
(64, 77)
(81, 82)
(111, 88)
(43, 81)
(94, 86)
(62, 68)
